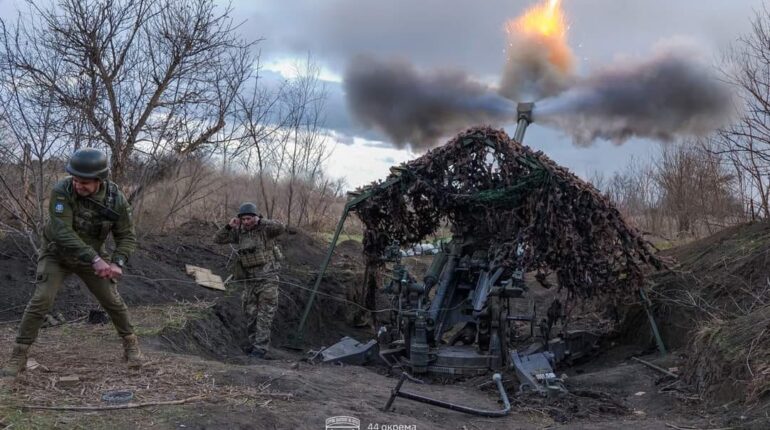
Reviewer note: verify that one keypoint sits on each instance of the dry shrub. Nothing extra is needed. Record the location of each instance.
(195, 189)
(715, 306)
(731, 358)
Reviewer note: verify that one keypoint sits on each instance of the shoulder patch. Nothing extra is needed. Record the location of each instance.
(58, 208)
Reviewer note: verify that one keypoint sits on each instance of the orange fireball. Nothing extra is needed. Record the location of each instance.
(546, 19)
(539, 62)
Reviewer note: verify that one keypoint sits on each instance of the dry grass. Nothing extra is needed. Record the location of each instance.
(732, 352)
(716, 304)
(152, 319)
(201, 191)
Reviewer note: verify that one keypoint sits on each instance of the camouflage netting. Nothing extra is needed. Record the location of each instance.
(505, 194)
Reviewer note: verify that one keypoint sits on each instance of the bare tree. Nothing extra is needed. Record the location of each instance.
(32, 123)
(307, 150)
(322, 199)
(140, 72)
(747, 142)
(262, 118)
(635, 192)
(189, 182)
(284, 143)
(684, 189)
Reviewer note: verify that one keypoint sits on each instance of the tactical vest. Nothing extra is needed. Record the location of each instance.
(254, 249)
(93, 219)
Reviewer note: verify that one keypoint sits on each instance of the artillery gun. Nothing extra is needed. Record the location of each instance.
(471, 314)
(466, 318)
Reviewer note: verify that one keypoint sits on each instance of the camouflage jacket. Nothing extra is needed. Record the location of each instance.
(78, 226)
(257, 251)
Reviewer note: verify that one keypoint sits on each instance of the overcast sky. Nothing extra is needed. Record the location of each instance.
(469, 35)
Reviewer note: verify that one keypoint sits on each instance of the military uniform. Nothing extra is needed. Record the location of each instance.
(73, 242)
(73, 237)
(256, 268)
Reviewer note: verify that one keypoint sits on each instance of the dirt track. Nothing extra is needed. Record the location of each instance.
(247, 395)
(193, 337)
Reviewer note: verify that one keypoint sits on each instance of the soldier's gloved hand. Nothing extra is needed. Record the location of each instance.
(115, 271)
(235, 222)
(101, 268)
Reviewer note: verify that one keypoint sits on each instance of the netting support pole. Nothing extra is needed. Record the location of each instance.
(298, 336)
(653, 325)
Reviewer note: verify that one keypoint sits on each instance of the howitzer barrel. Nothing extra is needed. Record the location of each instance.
(524, 119)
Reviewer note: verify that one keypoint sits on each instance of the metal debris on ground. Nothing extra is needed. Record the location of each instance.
(117, 396)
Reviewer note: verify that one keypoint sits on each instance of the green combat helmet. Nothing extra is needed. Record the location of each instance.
(88, 163)
(247, 208)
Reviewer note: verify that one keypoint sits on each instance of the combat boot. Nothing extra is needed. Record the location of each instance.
(131, 352)
(17, 363)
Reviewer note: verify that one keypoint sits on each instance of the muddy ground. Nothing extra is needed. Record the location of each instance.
(194, 339)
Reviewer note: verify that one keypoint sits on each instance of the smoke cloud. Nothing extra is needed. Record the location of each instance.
(420, 108)
(672, 93)
(539, 62)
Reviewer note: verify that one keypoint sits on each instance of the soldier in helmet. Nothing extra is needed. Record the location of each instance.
(257, 269)
(84, 209)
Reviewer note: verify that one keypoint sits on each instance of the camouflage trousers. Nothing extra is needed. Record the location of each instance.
(49, 278)
(260, 301)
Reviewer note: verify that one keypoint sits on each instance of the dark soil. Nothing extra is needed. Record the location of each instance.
(610, 391)
(156, 275)
(713, 309)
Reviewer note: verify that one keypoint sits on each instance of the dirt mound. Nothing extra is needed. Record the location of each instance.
(715, 304)
(17, 273)
(350, 249)
(726, 270)
(220, 333)
(156, 275)
(731, 359)
(302, 250)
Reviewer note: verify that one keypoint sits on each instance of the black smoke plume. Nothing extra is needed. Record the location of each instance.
(668, 95)
(420, 108)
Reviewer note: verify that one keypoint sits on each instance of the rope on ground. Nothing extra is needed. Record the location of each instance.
(258, 278)
(292, 284)
(112, 407)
